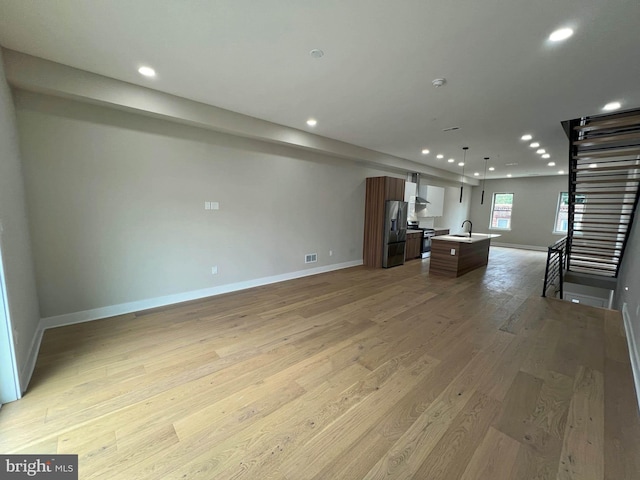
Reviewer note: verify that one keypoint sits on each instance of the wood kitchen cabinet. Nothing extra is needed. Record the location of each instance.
(379, 190)
(413, 246)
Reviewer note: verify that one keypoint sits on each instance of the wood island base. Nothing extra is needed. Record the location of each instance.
(467, 256)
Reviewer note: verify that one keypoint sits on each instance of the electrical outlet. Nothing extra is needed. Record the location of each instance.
(215, 206)
(214, 270)
(331, 253)
(453, 251)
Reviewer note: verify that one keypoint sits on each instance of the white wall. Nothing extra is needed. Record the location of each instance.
(534, 209)
(14, 236)
(628, 295)
(455, 212)
(116, 206)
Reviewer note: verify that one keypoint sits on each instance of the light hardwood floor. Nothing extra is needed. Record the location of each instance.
(354, 374)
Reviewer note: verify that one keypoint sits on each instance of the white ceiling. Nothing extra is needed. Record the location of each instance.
(372, 87)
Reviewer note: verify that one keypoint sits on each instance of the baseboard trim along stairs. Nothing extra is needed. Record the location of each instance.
(634, 353)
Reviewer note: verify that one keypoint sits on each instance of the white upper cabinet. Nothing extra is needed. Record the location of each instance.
(435, 197)
(410, 192)
(410, 197)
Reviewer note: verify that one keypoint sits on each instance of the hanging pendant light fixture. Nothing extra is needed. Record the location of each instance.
(464, 161)
(484, 178)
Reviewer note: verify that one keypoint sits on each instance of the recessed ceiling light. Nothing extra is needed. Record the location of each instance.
(461, 164)
(561, 172)
(546, 155)
(561, 34)
(425, 151)
(451, 160)
(491, 169)
(475, 174)
(526, 137)
(509, 175)
(593, 165)
(611, 106)
(312, 122)
(534, 145)
(147, 71)
(439, 156)
(541, 151)
(552, 164)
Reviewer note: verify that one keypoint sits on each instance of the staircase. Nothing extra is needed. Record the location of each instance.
(604, 177)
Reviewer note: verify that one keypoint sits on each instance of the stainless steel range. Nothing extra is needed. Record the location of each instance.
(427, 234)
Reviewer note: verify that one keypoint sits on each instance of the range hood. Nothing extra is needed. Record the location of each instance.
(415, 177)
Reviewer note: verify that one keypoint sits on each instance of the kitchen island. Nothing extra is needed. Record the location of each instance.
(455, 255)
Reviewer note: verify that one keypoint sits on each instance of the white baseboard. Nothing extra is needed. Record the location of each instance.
(130, 307)
(634, 353)
(515, 245)
(27, 369)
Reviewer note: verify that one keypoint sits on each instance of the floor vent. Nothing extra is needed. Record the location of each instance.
(311, 258)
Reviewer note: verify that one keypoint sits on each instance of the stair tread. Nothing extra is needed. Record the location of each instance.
(604, 139)
(608, 124)
(611, 153)
(615, 168)
(604, 192)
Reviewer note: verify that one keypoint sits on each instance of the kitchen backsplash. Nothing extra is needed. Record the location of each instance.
(426, 222)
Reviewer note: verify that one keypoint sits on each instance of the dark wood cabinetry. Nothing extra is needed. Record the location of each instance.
(379, 190)
(452, 259)
(414, 242)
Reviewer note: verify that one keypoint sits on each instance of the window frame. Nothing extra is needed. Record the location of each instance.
(493, 202)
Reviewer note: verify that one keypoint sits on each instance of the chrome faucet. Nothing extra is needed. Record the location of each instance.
(470, 226)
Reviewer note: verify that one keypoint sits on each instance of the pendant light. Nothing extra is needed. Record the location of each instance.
(464, 161)
(484, 178)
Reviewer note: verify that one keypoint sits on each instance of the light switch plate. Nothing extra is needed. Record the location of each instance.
(207, 205)
(215, 206)
(453, 251)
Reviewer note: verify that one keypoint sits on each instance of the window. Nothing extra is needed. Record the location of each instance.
(501, 208)
(562, 212)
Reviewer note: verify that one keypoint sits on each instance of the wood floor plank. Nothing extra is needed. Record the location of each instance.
(351, 374)
(622, 431)
(454, 450)
(493, 459)
(582, 455)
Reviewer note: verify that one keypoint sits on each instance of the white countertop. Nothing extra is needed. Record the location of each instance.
(414, 231)
(476, 237)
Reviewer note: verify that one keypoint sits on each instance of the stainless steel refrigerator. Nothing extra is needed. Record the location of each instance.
(395, 233)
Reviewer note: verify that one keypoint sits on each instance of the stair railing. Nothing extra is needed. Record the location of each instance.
(554, 272)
